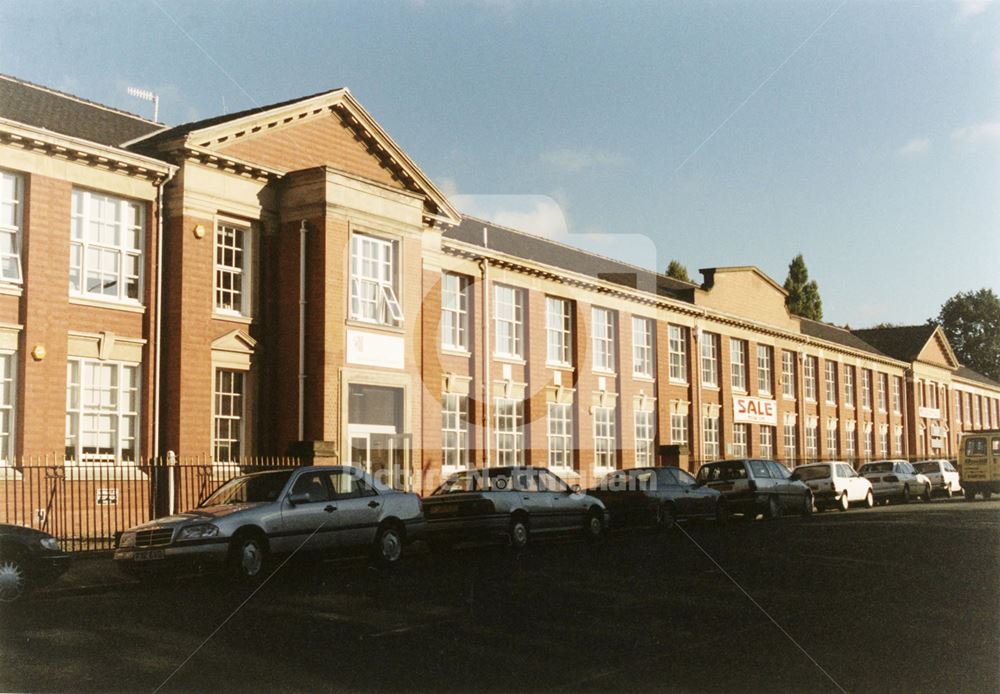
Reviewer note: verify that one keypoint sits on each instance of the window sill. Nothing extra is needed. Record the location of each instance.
(11, 289)
(604, 372)
(789, 398)
(740, 391)
(509, 359)
(456, 352)
(764, 394)
(232, 317)
(559, 366)
(381, 327)
(643, 378)
(678, 382)
(108, 304)
(706, 386)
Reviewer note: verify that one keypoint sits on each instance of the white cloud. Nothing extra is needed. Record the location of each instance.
(980, 133)
(577, 159)
(448, 187)
(970, 8)
(916, 147)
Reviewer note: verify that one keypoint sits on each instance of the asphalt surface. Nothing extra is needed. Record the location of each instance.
(900, 598)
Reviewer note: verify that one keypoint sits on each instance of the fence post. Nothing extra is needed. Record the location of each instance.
(171, 481)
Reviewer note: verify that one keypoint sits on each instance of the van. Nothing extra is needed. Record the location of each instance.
(979, 463)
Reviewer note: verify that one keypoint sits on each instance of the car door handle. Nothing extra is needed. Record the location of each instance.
(330, 509)
(372, 504)
(527, 498)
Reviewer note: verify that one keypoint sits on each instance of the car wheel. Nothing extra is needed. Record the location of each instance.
(869, 499)
(248, 554)
(721, 511)
(666, 517)
(906, 494)
(388, 547)
(518, 534)
(807, 504)
(948, 491)
(843, 503)
(13, 579)
(969, 494)
(593, 528)
(773, 508)
(928, 490)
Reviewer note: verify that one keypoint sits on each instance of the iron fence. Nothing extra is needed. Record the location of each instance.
(86, 506)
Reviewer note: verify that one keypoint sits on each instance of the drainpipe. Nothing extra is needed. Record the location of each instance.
(484, 266)
(303, 229)
(157, 326)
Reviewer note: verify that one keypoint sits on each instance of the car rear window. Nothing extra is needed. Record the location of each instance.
(714, 472)
(926, 467)
(876, 467)
(813, 472)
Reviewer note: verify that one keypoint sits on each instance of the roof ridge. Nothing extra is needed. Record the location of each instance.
(576, 248)
(80, 99)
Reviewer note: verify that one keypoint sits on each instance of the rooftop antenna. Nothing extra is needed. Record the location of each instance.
(147, 95)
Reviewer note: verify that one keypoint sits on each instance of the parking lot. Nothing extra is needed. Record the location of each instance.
(898, 598)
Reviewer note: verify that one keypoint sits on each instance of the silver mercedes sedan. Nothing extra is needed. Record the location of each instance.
(252, 518)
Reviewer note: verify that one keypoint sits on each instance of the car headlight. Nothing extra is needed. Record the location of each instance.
(196, 532)
(50, 543)
(127, 540)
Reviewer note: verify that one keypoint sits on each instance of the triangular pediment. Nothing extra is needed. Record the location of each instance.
(937, 351)
(330, 129)
(234, 341)
(748, 292)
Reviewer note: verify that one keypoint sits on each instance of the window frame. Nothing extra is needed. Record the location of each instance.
(767, 435)
(244, 272)
(849, 390)
(741, 440)
(866, 389)
(516, 434)
(8, 406)
(558, 331)
(788, 384)
(765, 370)
(14, 229)
(809, 385)
(455, 304)
(605, 439)
(77, 413)
(675, 418)
(709, 351)
(738, 367)
(559, 456)
(82, 219)
(388, 309)
(677, 337)
(514, 337)
(603, 345)
(644, 454)
(643, 355)
(241, 419)
(710, 437)
(830, 369)
(455, 422)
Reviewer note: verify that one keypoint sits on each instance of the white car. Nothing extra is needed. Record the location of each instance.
(896, 479)
(835, 484)
(942, 474)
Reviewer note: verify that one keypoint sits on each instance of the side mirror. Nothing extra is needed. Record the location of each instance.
(575, 488)
(300, 498)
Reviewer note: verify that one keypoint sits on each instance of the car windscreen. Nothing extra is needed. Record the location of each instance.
(817, 472)
(264, 487)
(498, 479)
(876, 467)
(926, 467)
(715, 472)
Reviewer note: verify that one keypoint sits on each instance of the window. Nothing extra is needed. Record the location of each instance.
(831, 438)
(710, 360)
(509, 418)
(678, 353)
(767, 441)
(788, 374)
(454, 430)
(809, 378)
(710, 424)
(898, 439)
(508, 320)
(812, 440)
(229, 394)
(232, 269)
(831, 382)
(11, 223)
(897, 387)
(559, 330)
(958, 404)
(866, 389)
(642, 347)
(850, 439)
(883, 386)
(455, 312)
(8, 398)
(868, 443)
(679, 429)
(968, 408)
(560, 435)
(643, 438)
(738, 364)
(374, 280)
(932, 393)
(883, 441)
(605, 453)
(102, 411)
(764, 369)
(603, 337)
(105, 250)
(740, 440)
(789, 439)
(849, 386)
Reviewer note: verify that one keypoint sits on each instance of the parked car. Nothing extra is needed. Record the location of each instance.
(752, 487)
(835, 484)
(657, 496)
(515, 503)
(942, 474)
(29, 559)
(896, 479)
(253, 517)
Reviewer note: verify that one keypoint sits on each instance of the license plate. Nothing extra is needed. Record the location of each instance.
(148, 555)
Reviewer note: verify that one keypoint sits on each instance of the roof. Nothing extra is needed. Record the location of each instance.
(185, 128)
(967, 373)
(903, 342)
(530, 247)
(831, 333)
(66, 114)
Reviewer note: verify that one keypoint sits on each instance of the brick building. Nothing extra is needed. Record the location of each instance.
(286, 280)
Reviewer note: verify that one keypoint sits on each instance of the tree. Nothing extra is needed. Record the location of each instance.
(803, 295)
(677, 271)
(971, 321)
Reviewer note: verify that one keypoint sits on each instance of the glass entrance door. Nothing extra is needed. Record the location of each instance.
(382, 453)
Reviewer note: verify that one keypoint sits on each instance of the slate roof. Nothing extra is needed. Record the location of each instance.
(66, 114)
(530, 247)
(902, 342)
(966, 372)
(831, 333)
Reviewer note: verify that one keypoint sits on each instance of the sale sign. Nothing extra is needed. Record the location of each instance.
(756, 410)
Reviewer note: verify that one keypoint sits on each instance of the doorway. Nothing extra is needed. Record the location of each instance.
(374, 430)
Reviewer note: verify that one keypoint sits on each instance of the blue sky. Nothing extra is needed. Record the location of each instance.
(864, 135)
